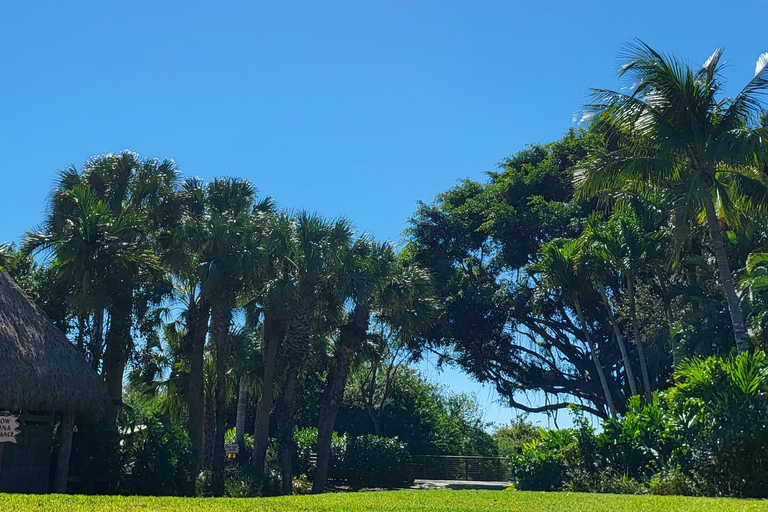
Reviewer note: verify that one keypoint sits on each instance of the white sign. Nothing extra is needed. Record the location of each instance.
(9, 429)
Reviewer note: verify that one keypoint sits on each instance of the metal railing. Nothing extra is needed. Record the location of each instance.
(460, 467)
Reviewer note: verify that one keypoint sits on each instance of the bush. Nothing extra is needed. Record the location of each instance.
(373, 461)
(365, 461)
(721, 407)
(544, 463)
(240, 485)
(157, 457)
(672, 482)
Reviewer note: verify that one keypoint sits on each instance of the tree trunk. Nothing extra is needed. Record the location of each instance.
(197, 329)
(81, 328)
(275, 327)
(96, 341)
(296, 348)
(284, 419)
(65, 449)
(242, 405)
(119, 344)
(638, 339)
(220, 323)
(726, 279)
(209, 431)
(620, 340)
(351, 337)
(596, 360)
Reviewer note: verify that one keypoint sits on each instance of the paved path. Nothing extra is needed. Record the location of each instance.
(460, 484)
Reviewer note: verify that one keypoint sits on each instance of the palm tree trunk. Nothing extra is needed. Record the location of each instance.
(619, 339)
(242, 406)
(284, 420)
(96, 340)
(220, 322)
(119, 343)
(209, 430)
(197, 329)
(638, 339)
(81, 328)
(596, 360)
(296, 348)
(666, 301)
(726, 279)
(351, 337)
(275, 327)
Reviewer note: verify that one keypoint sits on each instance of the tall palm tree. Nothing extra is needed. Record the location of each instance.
(673, 130)
(556, 268)
(594, 260)
(229, 261)
(182, 252)
(276, 293)
(377, 283)
(319, 246)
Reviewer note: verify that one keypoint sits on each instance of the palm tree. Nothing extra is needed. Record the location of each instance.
(318, 249)
(276, 294)
(674, 131)
(182, 252)
(594, 258)
(557, 270)
(379, 283)
(229, 261)
(100, 228)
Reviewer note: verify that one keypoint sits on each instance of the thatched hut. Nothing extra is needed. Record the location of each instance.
(43, 381)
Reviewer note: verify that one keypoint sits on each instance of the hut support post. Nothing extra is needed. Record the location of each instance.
(65, 449)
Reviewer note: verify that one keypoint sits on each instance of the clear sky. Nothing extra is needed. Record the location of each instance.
(354, 108)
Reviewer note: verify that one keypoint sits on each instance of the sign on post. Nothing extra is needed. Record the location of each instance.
(9, 429)
(232, 450)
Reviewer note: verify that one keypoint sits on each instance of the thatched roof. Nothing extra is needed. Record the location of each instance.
(40, 369)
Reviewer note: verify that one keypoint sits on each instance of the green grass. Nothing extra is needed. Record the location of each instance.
(400, 501)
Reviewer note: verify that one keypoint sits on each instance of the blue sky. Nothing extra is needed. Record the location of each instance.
(348, 108)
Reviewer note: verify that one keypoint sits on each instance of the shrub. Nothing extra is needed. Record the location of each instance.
(240, 485)
(301, 485)
(672, 482)
(721, 407)
(157, 457)
(544, 463)
(365, 461)
(373, 461)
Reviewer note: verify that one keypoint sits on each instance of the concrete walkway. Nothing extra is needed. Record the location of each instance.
(460, 484)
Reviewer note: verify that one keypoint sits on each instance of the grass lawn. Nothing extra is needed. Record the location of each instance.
(400, 501)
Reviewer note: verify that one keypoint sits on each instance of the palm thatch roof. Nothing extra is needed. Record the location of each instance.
(40, 369)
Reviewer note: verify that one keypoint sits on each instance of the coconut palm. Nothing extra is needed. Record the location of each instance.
(556, 269)
(673, 130)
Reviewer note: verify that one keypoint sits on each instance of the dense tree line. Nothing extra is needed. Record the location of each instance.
(187, 284)
(587, 269)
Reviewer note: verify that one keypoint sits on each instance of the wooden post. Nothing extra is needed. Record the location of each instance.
(65, 449)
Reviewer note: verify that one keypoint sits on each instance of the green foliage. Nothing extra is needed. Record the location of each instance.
(364, 461)
(511, 438)
(672, 482)
(373, 461)
(721, 405)
(157, 458)
(240, 485)
(706, 435)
